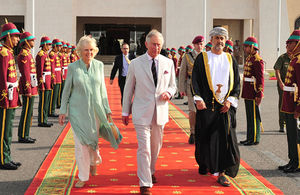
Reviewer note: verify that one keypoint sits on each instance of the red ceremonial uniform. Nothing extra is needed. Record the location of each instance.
(56, 65)
(175, 63)
(253, 82)
(73, 57)
(43, 67)
(9, 96)
(53, 75)
(290, 100)
(64, 65)
(28, 80)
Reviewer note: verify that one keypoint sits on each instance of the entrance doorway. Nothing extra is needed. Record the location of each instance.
(111, 36)
(236, 31)
(111, 32)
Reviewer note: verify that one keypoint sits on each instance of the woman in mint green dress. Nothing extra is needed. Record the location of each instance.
(86, 97)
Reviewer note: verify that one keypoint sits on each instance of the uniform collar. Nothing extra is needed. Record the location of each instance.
(7, 47)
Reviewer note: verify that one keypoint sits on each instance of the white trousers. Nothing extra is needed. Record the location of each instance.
(149, 144)
(85, 157)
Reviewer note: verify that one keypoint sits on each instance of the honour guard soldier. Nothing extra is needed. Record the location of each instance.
(73, 57)
(63, 62)
(181, 52)
(27, 85)
(185, 75)
(174, 58)
(253, 87)
(208, 46)
(291, 103)
(280, 67)
(43, 67)
(228, 47)
(56, 66)
(68, 52)
(168, 53)
(9, 97)
(188, 49)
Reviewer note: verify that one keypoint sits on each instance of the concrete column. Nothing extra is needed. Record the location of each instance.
(268, 32)
(164, 23)
(248, 28)
(29, 20)
(55, 21)
(184, 20)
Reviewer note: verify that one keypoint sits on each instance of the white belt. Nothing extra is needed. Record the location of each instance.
(57, 69)
(44, 76)
(65, 68)
(247, 79)
(12, 85)
(33, 78)
(46, 73)
(290, 89)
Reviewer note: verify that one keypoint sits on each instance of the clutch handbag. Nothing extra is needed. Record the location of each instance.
(114, 128)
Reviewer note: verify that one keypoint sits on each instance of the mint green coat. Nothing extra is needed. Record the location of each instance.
(85, 94)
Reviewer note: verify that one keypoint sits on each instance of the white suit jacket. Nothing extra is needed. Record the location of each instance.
(140, 93)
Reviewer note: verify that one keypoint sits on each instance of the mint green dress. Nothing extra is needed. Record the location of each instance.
(85, 95)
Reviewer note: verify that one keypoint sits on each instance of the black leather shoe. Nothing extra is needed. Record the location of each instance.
(44, 125)
(178, 97)
(26, 140)
(291, 169)
(32, 138)
(53, 115)
(248, 143)
(192, 139)
(9, 166)
(185, 103)
(282, 167)
(281, 130)
(145, 190)
(18, 164)
(202, 170)
(242, 142)
(154, 180)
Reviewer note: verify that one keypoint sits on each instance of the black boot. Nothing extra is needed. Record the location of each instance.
(192, 139)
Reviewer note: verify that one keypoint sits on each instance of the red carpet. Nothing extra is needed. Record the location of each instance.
(176, 168)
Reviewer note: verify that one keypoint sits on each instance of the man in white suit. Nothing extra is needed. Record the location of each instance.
(150, 83)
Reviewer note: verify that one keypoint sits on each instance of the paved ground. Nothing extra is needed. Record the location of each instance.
(264, 158)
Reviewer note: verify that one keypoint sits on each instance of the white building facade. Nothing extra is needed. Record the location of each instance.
(179, 21)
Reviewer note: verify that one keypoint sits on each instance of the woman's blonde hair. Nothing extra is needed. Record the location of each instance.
(84, 41)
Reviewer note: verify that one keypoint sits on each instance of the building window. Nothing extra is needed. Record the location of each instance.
(297, 23)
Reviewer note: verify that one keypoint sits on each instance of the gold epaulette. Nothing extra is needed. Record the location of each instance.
(41, 53)
(24, 52)
(257, 57)
(298, 60)
(4, 52)
(51, 53)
